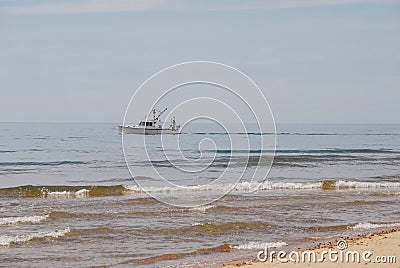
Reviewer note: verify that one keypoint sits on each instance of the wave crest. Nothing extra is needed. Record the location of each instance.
(368, 225)
(118, 190)
(22, 219)
(8, 240)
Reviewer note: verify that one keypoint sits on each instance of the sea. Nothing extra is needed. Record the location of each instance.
(77, 195)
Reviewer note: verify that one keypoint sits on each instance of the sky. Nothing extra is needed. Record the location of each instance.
(331, 61)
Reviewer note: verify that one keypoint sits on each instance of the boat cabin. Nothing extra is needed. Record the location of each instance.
(146, 123)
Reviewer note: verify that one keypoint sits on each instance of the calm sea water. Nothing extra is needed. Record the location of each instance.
(67, 197)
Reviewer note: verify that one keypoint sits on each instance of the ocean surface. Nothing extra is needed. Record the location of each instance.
(67, 197)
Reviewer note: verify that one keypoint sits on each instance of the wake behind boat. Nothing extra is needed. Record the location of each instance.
(151, 126)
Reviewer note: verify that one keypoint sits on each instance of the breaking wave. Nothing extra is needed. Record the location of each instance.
(344, 184)
(79, 193)
(239, 187)
(22, 219)
(268, 185)
(8, 240)
(368, 225)
(202, 208)
(64, 191)
(117, 190)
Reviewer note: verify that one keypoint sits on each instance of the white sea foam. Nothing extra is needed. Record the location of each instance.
(64, 193)
(269, 185)
(7, 240)
(369, 225)
(239, 187)
(80, 193)
(202, 208)
(195, 188)
(264, 186)
(200, 223)
(22, 219)
(258, 245)
(364, 184)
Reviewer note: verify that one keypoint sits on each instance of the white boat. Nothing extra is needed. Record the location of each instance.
(150, 126)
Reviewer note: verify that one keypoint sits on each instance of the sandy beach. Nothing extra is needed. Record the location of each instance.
(379, 250)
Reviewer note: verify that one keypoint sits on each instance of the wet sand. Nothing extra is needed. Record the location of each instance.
(383, 245)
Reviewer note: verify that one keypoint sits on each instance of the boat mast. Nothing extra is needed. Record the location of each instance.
(159, 115)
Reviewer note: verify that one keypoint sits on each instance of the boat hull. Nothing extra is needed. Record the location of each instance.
(145, 131)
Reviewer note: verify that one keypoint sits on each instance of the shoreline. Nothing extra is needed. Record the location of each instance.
(383, 245)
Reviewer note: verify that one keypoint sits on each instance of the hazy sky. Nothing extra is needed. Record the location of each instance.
(330, 61)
